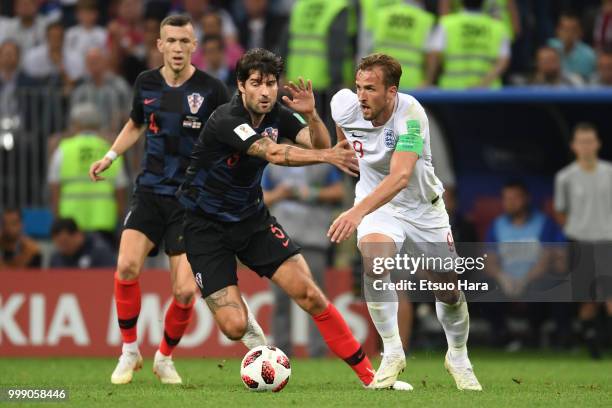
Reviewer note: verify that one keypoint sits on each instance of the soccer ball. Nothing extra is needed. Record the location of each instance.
(265, 368)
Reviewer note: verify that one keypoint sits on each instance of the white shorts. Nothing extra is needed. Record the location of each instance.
(435, 241)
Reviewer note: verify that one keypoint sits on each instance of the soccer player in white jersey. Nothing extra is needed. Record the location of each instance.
(398, 199)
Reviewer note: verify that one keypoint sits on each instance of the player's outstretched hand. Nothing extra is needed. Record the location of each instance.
(302, 98)
(343, 157)
(344, 225)
(98, 167)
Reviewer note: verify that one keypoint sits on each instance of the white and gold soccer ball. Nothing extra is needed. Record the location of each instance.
(265, 368)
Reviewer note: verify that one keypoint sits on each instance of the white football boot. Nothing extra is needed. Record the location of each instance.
(128, 363)
(163, 367)
(254, 335)
(463, 374)
(390, 368)
(397, 386)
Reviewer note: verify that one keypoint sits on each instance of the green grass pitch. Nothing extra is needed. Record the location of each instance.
(509, 380)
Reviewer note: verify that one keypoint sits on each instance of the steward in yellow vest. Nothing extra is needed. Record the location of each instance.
(94, 206)
(472, 48)
(320, 43)
(504, 10)
(402, 31)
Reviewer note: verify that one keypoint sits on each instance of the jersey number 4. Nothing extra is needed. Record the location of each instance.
(358, 147)
(152, 124)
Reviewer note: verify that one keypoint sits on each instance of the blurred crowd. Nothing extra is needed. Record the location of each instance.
(94, 49)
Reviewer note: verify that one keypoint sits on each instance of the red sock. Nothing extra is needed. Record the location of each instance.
(127, 300)
(341, 341)
(177, 319)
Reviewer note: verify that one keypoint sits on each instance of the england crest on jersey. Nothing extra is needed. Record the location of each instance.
(389, 138)
(195, 101)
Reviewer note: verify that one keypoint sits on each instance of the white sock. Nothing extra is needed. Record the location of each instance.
(130, 347)
(455, 321)
(254, 335)
(384, 317)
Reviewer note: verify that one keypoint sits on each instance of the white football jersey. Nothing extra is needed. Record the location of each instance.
(374, 147)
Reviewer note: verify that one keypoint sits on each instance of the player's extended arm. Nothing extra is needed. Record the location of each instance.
(339, 134)
(292, 156)
(128, 136)
(315, 135)
(402, 166)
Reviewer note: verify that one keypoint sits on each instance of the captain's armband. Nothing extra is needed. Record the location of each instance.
(411, 141)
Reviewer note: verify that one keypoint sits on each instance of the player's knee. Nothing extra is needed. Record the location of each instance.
(450, 297)
(184, 293)
(128, 268)
(234, 327)
(312, 300)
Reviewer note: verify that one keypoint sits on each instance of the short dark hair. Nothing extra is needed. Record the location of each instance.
(176, 20)
(55, 24)
(473, 4)
(585, 127)
(391, 68)
(212, 38)
(516, 183)
(570, 15)
(258, 60)
(64, 225)
(87, 5)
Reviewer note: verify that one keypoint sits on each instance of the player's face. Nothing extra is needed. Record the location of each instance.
(259, 92)
(372, 93)
(177, 44)
(585, 145)
(514, 200)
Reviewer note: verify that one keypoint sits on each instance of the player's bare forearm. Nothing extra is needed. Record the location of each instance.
(317, 131)
(127, 137)
(293, 156)
(339, 134)
(402, 166)
(284, 155)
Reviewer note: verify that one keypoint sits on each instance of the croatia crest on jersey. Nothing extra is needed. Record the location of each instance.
(389, 138)
(270, 132)
(195, 102)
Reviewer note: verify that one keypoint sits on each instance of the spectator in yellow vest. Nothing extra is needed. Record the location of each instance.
(503, 10)
(471, 48)
(94, 207)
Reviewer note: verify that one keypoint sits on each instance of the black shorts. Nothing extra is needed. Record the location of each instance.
(212, 247)
(160, 218)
